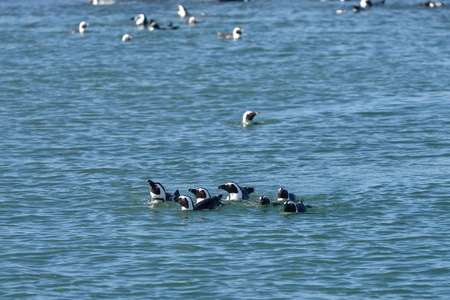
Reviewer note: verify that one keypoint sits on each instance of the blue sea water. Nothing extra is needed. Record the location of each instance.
(354, 119)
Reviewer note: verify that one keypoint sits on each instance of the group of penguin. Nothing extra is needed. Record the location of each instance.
(204, 201)
(235, 191)
(365, 4)
(142, 22)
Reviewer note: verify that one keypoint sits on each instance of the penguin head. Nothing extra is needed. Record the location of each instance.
(157, 191)
(200, 193)
(248, 116)
(283, 194)
(192, 20)
(185, 202)
(141, 20)
(234, 190)
(82, 26)
(230, 187)
(263, 200)
(289, 206)
(237, 32)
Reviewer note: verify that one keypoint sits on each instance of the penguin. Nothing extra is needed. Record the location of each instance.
(141, 20)
(126, 37)
(209, 203)
(200, 193)
(235, 35)
(170, 26)
(182, 11)
(433, 4)
(236, 192)
(365, 3)
(356, 8)
(263, 200)
(192, 21)
(81, 27)
(284, 195)
(248, 116)
(158, 192)
(154, 26)
(290, 206)
(102, 2)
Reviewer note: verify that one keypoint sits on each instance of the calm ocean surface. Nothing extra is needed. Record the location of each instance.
(354, 119)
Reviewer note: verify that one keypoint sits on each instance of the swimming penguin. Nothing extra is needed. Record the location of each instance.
(248, 116)
(365, 4)
(158, 192)
(235, 35)
(356, 8)
(200, 193)
(192, 21)
(263, 200)
(182, 11)
(284, 195)
(236, 192)
(154, 26)
(209, 203)
(126, 37)
(290, 206)
(81, 27)
(170, 26)
(102, 2)
(433, 4)
(141, 20)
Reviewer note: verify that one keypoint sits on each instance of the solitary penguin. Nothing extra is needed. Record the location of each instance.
(290, 206)
(284, 195)
(248, 116)
(158, 192)
(200, 193)
(81, 27)
(236, 192)
(235, 35)
(141, 20)
(209, 203)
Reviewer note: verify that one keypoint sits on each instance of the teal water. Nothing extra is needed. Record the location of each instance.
(354, 119)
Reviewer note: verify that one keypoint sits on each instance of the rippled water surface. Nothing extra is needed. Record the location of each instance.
(354, 119)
